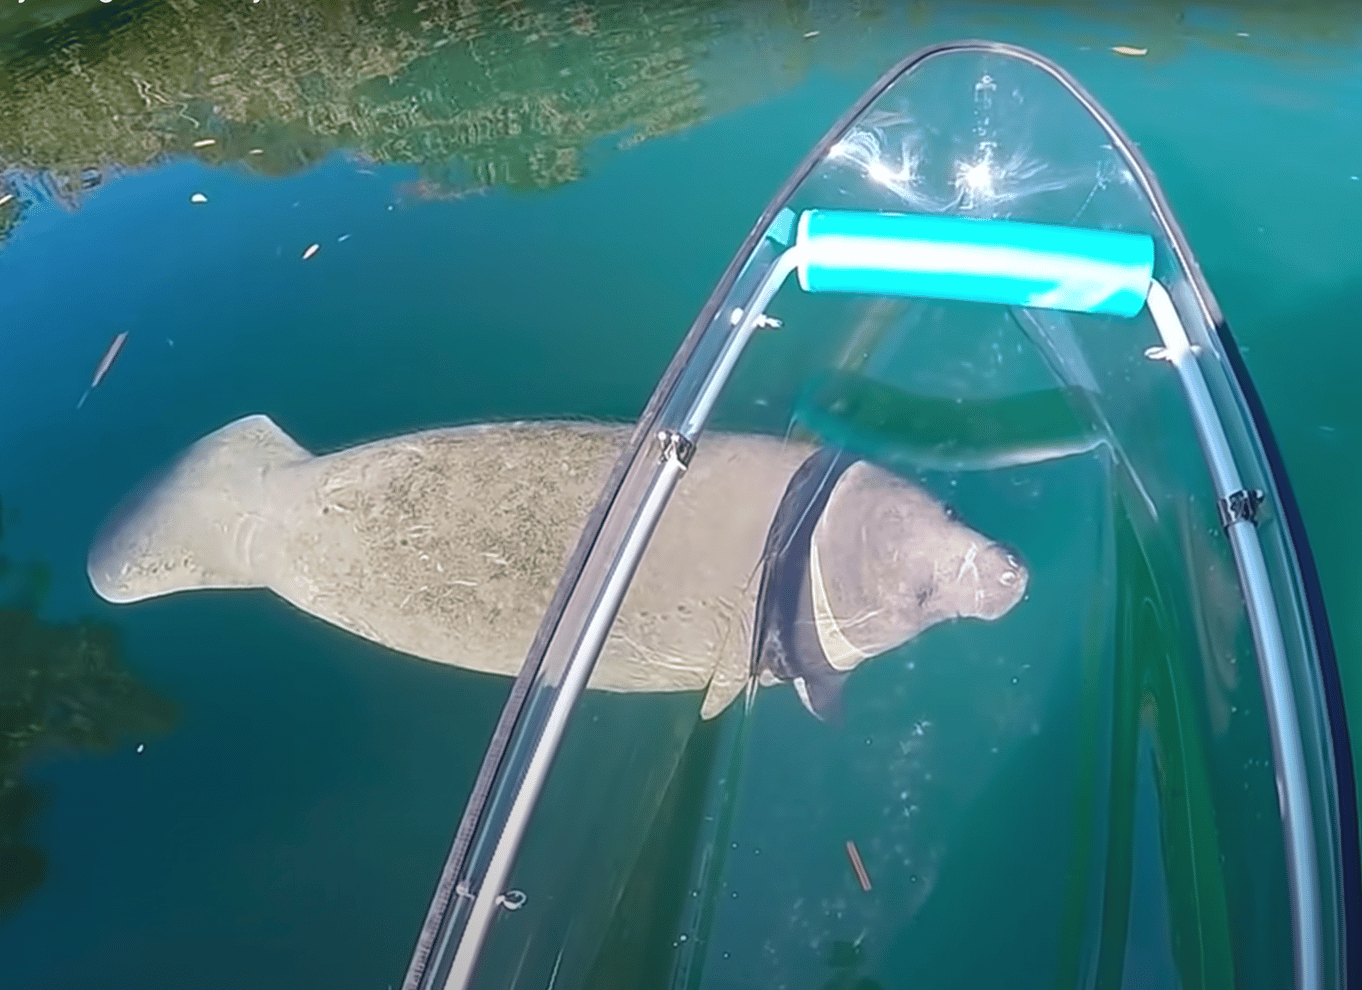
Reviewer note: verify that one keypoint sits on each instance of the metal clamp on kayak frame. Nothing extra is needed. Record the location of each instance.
(1240, 506)
(676, 447)
(942, 257)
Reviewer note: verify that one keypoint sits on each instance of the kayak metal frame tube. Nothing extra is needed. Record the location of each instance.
(675, 456)
(450, 916)
(703, 405)
(677, 447)
(1238, 509)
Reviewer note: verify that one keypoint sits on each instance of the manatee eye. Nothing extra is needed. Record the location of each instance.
(950, 512)
(1007, 579)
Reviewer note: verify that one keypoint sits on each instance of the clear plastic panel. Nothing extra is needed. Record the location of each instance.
(1020, 737)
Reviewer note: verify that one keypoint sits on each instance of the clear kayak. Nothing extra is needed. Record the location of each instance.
(1013, 665)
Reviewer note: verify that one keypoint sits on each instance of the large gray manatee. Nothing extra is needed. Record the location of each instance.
(448, 544)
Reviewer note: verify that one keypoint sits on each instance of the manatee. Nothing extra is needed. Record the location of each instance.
(447, 545)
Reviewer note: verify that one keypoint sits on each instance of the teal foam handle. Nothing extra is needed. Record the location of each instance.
(994, 261)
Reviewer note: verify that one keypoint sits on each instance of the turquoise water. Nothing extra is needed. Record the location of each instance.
(533, 211)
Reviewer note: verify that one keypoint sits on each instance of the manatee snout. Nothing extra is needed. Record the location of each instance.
(1002, 580)
(976, 578)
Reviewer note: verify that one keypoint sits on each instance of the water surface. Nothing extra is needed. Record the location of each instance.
(519, 209)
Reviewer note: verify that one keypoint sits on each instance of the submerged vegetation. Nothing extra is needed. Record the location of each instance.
(63, 688)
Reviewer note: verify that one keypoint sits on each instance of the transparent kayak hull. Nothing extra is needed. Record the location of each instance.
(1022, 675)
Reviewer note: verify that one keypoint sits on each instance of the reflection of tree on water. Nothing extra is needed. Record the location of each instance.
(518, 92)
(63, 686)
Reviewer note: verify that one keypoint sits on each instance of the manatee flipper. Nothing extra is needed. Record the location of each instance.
(785, 641)
(821, 694)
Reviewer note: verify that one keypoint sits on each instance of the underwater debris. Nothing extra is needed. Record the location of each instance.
(205, 142)
(313, 249)
(854, 855)
(1127, 50)
(105, 363)
(198, 198)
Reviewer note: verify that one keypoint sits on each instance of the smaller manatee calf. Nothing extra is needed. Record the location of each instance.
(447, 545)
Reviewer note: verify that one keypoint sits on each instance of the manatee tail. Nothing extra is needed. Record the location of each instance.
(198, 522)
